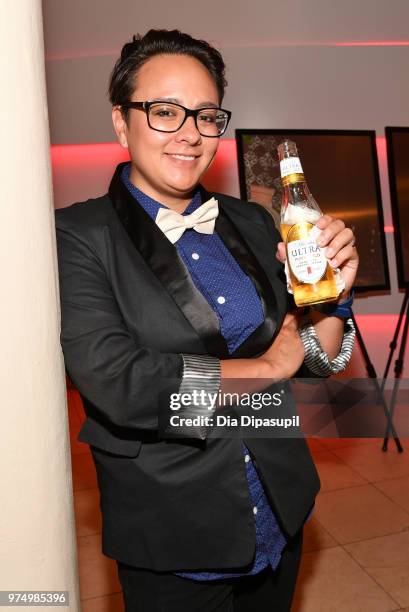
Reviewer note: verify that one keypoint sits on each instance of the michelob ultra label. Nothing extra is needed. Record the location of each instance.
(290, 165)
(305, 258)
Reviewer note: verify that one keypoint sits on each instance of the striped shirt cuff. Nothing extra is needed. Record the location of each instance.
(201, 376)
(316, 359)
(203, 369)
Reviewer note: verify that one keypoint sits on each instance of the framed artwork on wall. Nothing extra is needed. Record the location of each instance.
(341, 168)
(397, 146)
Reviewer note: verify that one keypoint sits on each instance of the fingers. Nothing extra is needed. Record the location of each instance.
(331, 230)
(343, 238)
(337, 240)
(324, 221)
(291, 319)
(281, 254)
(346, 254)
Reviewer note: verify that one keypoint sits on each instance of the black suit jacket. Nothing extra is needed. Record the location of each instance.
(128, 310)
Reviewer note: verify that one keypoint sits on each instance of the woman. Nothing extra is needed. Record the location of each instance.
(167, 289)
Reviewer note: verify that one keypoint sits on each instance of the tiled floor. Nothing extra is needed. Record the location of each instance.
(356, 545)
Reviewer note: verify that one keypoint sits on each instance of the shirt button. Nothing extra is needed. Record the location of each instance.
(255, 510)
(195, 256)
(246, 458)
(221, 299)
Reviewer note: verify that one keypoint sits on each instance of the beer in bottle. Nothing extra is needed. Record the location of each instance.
(312, 278)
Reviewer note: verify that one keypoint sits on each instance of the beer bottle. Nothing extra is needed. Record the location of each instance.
(311, 276)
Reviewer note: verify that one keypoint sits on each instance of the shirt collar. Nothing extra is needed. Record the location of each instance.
(150, 205)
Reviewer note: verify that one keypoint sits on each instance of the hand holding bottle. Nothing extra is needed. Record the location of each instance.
(338, 242)
(311, 278)
(339, 247)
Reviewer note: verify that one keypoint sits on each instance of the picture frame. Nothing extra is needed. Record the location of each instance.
(342, 172)
(397, 147)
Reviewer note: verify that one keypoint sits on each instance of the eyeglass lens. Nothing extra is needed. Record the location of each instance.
(169, 118)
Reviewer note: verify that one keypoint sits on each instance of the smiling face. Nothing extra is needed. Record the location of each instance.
(157, 168)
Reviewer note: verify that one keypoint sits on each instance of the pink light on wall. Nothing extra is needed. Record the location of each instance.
(381, 148)
(75, 54)
(100, 154)
(222, 174)
(377, 330)
(83, 171)
(373, 43)
(383, 169)
(267, 43)
(89, 154)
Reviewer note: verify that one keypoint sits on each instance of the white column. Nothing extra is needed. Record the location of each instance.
(37, 529)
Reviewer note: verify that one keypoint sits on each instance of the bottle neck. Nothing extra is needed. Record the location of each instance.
(296, 194)
(293, 179)
(295, 190)
(291, 170)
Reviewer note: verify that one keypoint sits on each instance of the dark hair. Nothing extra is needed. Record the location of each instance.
(155, 42)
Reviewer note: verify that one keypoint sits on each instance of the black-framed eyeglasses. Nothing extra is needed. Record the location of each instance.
(169, 117)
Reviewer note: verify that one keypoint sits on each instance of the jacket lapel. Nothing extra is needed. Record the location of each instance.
(246, 240)
(165, 262)
(243, 238)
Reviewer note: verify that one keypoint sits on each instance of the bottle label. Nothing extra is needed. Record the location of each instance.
(305, 258)
(290, 165)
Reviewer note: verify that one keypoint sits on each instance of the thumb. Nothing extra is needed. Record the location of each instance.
(280, 253)
(290, 319)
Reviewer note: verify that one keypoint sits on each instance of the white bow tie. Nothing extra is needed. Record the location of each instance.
(174, 224)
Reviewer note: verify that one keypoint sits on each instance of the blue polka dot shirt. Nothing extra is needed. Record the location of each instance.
(230, 292)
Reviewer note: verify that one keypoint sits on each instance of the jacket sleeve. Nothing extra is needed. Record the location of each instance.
(200, 382)
(317, 360)
(129, 385)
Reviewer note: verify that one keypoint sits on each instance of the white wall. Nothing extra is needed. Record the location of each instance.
(37, 531)
(282, 66)
(286, 66)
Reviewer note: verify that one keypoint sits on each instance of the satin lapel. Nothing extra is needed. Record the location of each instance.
(247, 241)
(165, 262)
